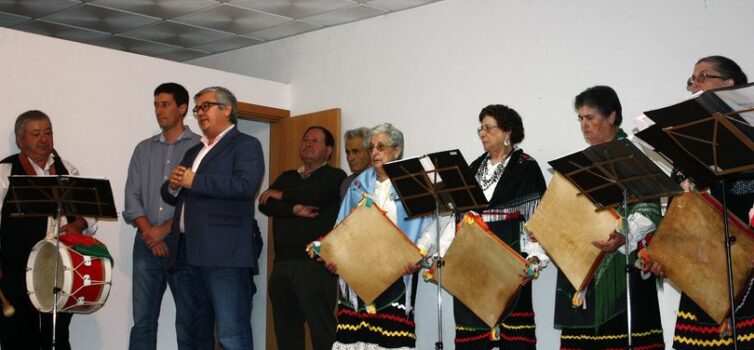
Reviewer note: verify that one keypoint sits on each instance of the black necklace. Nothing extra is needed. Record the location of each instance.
(483, 172)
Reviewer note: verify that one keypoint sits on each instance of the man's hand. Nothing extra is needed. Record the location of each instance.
(187, 180)
(614, 241)
(156, 234)
(160, 249)
(76, 226)
(305, 211)
(176, 176)
(270, 193)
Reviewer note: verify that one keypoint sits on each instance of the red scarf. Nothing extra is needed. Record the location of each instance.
(28, 168)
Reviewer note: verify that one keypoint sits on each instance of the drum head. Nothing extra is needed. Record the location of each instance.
(42, 264)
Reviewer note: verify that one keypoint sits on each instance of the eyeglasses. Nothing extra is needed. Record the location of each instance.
(379, 147)
(486, 128)
(205, 107)
(701, 78)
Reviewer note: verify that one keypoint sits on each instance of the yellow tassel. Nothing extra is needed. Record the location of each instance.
(725, 329)
(371, 309)
(578, 299)
(495, 333)
(428, 275)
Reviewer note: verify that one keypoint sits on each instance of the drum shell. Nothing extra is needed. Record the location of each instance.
(84, 281)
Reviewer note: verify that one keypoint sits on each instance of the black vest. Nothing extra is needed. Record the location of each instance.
(19, 235)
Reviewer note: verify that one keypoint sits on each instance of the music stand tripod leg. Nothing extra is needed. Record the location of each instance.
(627, 235)
(438, 344)
(728, 241)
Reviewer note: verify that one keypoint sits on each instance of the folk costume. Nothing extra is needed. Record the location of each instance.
(28, 328)
(514, 188)
(694, 329)
(596, 318)
(387, 323)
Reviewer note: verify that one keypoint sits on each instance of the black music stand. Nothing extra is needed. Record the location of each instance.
(58, 196)
(709, 141)
(615, 174)
(433, 184)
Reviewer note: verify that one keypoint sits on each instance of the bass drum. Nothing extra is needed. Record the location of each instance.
(84, 281)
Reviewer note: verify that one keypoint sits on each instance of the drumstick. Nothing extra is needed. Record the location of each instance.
(8, 309)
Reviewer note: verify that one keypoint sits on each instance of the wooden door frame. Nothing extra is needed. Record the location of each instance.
(259, 113)
(269, 115)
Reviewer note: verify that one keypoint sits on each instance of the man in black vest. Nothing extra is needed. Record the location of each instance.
(28, 328)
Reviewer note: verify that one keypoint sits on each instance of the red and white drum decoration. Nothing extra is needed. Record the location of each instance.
(84, 280)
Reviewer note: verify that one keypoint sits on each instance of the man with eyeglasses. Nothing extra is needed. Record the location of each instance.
(304, 203)
(213, 189)
(152, 161)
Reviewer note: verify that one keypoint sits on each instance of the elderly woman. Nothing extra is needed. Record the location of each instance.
(694, 329)
(595, 318)
(388, 323)
(513, 184)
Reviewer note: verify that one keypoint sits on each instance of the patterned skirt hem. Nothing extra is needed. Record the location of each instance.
(363, 346)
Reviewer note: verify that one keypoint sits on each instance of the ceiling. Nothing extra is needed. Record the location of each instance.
(182, 30)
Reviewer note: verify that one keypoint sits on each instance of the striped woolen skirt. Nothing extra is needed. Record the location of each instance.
(516, 330)
(388, 328)
(646, 334)
(694, 329)
(646, 326)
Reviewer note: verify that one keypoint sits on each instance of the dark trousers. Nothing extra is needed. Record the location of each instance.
(303, 291)
(29, 329)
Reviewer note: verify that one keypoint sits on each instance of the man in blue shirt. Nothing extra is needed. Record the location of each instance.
(152, 161)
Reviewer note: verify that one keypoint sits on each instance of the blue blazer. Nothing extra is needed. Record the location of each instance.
(219, 207)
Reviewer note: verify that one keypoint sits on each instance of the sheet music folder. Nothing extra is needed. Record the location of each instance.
(456, 188)
(603, 171)
(77, 196)
(708, 136)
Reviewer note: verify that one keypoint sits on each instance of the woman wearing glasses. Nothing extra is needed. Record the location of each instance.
(513, 184)
(388, 323)
(596, 317)
(694, 329)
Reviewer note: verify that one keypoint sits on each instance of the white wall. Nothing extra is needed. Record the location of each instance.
(429, 70)
(100, 103)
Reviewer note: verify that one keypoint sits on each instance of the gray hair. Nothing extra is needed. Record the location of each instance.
(362, 133)
(225, 97)
(395, 136)
(26, 117)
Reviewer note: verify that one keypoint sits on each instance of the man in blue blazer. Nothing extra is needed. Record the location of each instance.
(211, 242)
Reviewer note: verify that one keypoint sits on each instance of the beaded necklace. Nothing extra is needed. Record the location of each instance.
(482, 174)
